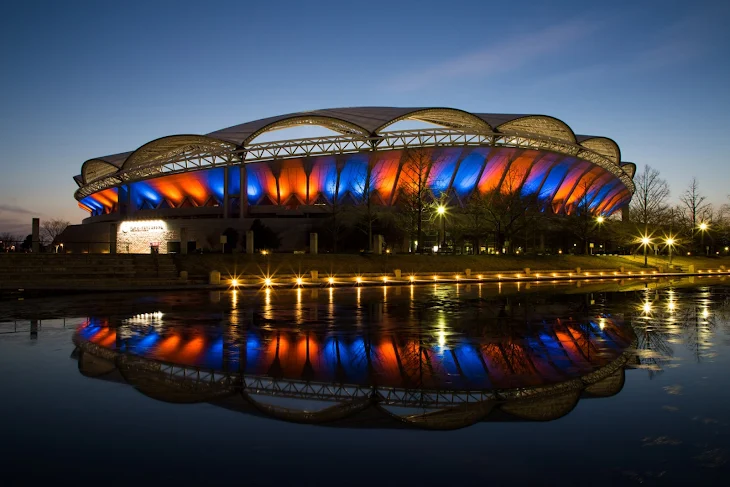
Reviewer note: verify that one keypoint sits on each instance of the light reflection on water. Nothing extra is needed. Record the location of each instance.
(429, 340)
(641, 369)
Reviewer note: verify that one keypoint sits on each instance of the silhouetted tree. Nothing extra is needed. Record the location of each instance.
(51, 229)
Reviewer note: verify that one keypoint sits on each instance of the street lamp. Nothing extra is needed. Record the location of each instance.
(645, 241)
(441, 210)
(599, 221)
(703, 228)
(670, 243)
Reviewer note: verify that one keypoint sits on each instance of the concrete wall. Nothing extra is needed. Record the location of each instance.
(136, 236)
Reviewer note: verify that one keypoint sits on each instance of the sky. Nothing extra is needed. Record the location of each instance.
(87, 79)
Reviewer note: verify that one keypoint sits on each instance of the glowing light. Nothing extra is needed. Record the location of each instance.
(435, 278)
(331, 280)
(412, 278)
(441, 209)
(143, 226)
(267, 282)
(435, 248)
(456, 277)
(600, 219)
(704, 226)
(499, 276)
(670, 241)
(264, 252)
(537, 276)
(385, 278)
(705, 313)
(479, 276)
(358, 280)
(602, 323)
(645, 240)
(299, 281)
(646, 307)
(387, 251)
(234, 282)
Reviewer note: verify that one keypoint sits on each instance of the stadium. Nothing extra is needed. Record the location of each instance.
(179, 193)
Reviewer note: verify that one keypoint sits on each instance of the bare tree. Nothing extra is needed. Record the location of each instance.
(414, 193)
(8, 240)
(649, 203)
(693, 208)
(51, 229)
(368, 211)
(508, 211)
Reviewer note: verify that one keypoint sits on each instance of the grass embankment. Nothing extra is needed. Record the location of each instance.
(198, 266)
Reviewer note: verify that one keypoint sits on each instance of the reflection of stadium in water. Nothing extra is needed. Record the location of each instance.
(379, 365)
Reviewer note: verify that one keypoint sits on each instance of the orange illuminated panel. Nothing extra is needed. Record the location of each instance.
(384, 173)
(292, 180)
(192, 351)
(568, 184)
(517, 172)
(108, 198)
(583, 186)
(386, 362)
(168, 348)
(496, 165)
(176, 187)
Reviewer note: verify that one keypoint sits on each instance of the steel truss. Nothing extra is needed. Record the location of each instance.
(184, 154)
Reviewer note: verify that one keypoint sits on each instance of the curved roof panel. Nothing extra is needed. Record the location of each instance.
(629, 168)
(445, 117)
(343, 120)
(534, 124)
(603, 145)
(94, 169)
(165, 147)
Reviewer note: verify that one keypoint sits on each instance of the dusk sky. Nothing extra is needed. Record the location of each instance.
(81, 80)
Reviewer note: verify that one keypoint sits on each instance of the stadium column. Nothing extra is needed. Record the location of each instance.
(243, 197)
(226, 203)
(307, 173)
(625, 214)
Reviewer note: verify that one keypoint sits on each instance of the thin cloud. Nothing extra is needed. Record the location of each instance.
(15, 209)
(502, 57)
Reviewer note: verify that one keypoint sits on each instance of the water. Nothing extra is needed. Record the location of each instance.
(606, 382)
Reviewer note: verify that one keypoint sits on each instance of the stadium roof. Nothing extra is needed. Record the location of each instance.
(358, 122)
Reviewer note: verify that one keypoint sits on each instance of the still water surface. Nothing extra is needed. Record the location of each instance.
(600, 383)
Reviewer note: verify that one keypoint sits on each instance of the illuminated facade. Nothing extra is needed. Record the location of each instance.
(228, 174)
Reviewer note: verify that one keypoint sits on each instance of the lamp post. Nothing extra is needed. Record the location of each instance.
(599, 221)
(441, 210)
(670, 243)
(703, 228)
(645, 241)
